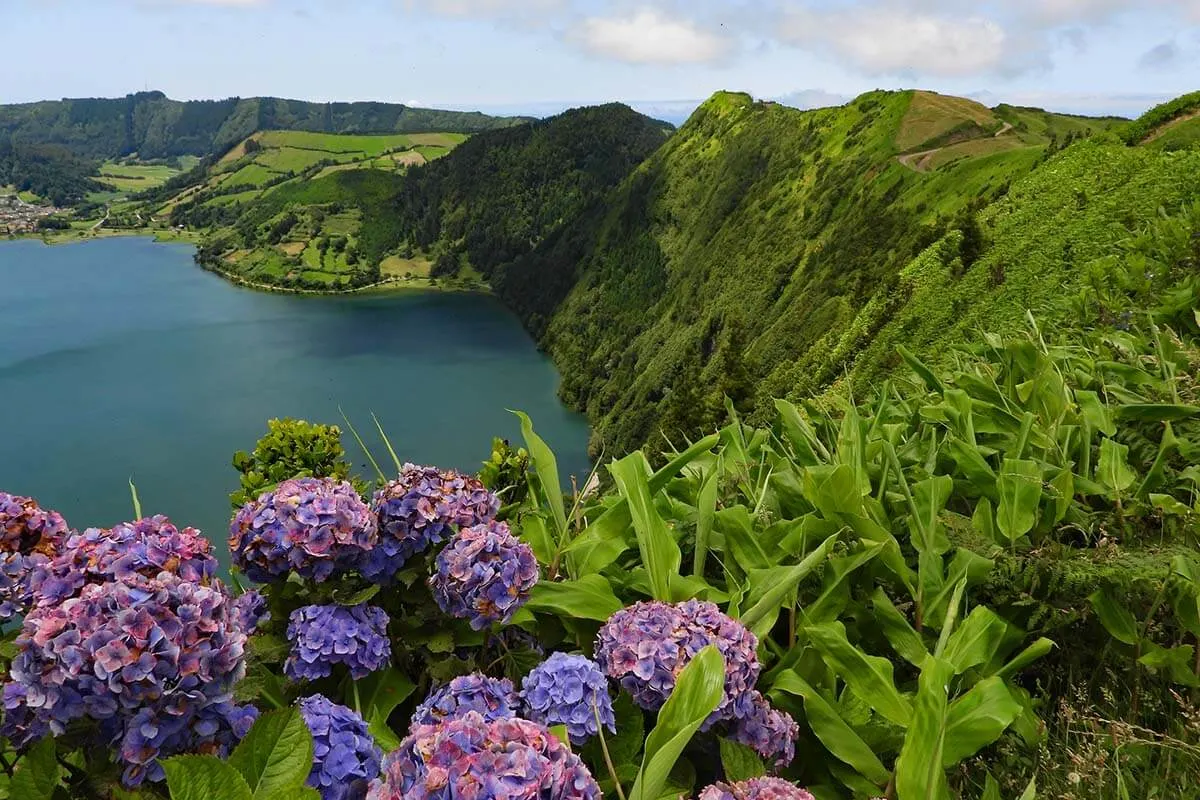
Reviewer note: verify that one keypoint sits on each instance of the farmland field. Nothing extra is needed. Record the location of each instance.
(135, 177)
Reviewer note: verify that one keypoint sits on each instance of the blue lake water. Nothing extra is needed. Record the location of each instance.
(121, 359)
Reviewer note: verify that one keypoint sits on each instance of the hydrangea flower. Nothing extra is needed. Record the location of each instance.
(250, 611)
(29, 536)
(756, 789)
(131, 552)
(322, 636)
(492, 698)
(345, 758)
(311, 525)
(647, 645)
(769, 732)
(421, 508)
(470, 757)
(569, 690)
(154, 663)
(484, 575)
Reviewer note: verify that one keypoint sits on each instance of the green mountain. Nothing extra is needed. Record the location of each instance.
(154, 126)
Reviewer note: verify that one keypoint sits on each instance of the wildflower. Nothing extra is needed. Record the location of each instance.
(421, 508)
(484, 575)
(345, 758)
(323, 636)
(569, 690)
(492, 698)
(647, 645)
(470, 757)
(313, 526)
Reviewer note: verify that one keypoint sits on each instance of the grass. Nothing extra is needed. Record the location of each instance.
(974, 149)
(252, 175)
(135, 177)
(230, 199)
(345, 223)
(334, 142)
(1177, 136)
(930, 115)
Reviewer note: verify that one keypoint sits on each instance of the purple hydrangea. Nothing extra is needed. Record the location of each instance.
(647, 645)
(484, 575)
(569, 690)
(492, 698)
(423, 507)
(345, 758)
(250, 611)
(311, 525)
(476, 759)
(29, 537)
(769, 732)
(323, 636)
(153, 663)
(756, 789)
(132, 552)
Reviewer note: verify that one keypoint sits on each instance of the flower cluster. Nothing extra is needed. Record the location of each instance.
(769, 732)
(491, 698)
(470, 757)
(154, 662)
(569, 690)
(345, 758)
(311, 525)
(484, 575)
(423, 507)
(132, 552)
(250, 611)
(648, 644)
(29, 536)
(322, 636)
(756, 789)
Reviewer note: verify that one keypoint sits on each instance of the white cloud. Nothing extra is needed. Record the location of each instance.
(650, 37)
(889, 40)
(485, 8)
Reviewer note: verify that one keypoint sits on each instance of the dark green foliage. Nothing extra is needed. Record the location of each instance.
(46, 170)
(290, 449)
(1161, 114)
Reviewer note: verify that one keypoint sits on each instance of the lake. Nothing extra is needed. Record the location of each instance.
(120, 358)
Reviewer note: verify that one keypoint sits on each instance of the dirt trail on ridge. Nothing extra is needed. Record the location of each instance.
(919, 162)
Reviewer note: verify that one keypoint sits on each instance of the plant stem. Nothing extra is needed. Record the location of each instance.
(612, 771)
(357, 699)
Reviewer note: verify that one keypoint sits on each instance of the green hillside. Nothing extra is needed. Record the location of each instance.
(348, 217)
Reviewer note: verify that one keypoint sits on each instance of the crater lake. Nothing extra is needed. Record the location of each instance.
(121, 359)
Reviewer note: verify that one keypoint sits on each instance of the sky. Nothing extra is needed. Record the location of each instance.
(661, 56)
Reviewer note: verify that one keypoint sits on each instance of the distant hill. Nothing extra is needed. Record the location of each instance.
(154, 126)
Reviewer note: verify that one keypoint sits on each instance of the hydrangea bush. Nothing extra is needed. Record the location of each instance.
(345, 758)
(491, 698)
(29, 537)
(484, 575)
(768, 731)
(569, 690)
(756, 789)
(472, 757)
(324, 636)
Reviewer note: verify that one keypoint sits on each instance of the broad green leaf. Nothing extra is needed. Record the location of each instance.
(1026, 657)
(742, 539)
(977, 719)
(1030, 792)
(697, 692)
(784, 582)
(1175, 662)
(919, 772)
(838, 737)
(984, 520)
(37, 773)
(590, 597)
(1112, 469)
(383, 690)
(971, 464)
(805, 443)
(205, 778)
(706, 508)
(925, 373)
(660, 553)
(1157, 412)
(382, 733)
(869, 676)
(929, 498)
(276, 755)
(546, 467)
(740, 762)
(562, 734)
(533, 532)
(991, 789)
(1094, 412)
(1115, 618)
(834, 594)
(976, 641)
(1020, 488)
(900, 634)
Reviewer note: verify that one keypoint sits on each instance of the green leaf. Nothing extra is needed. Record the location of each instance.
(382, 733)
(37, 773)
(903, 638)
(1020, 488)
(562, 734)
(1030, 792)
(1115, 618)
(869, 676)
(976, 641)
(533, 532)
(706, 508)
(1113, 470)
(590, 597)
(1157, 412)
(546, 467)
(919, 772)
(1026, 657)
(833, 732)
(977, 719)
(929, 498)
(697, 692)
(740, 762)
(205, 778)
(918, 366)
(784, 582)
(991, 789)
(356, 598)
(1176, 662)
(660, 553)
(1094, 412)
(276, 755)
(383, 690)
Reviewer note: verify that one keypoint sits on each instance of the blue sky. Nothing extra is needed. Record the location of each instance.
(539, 56)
